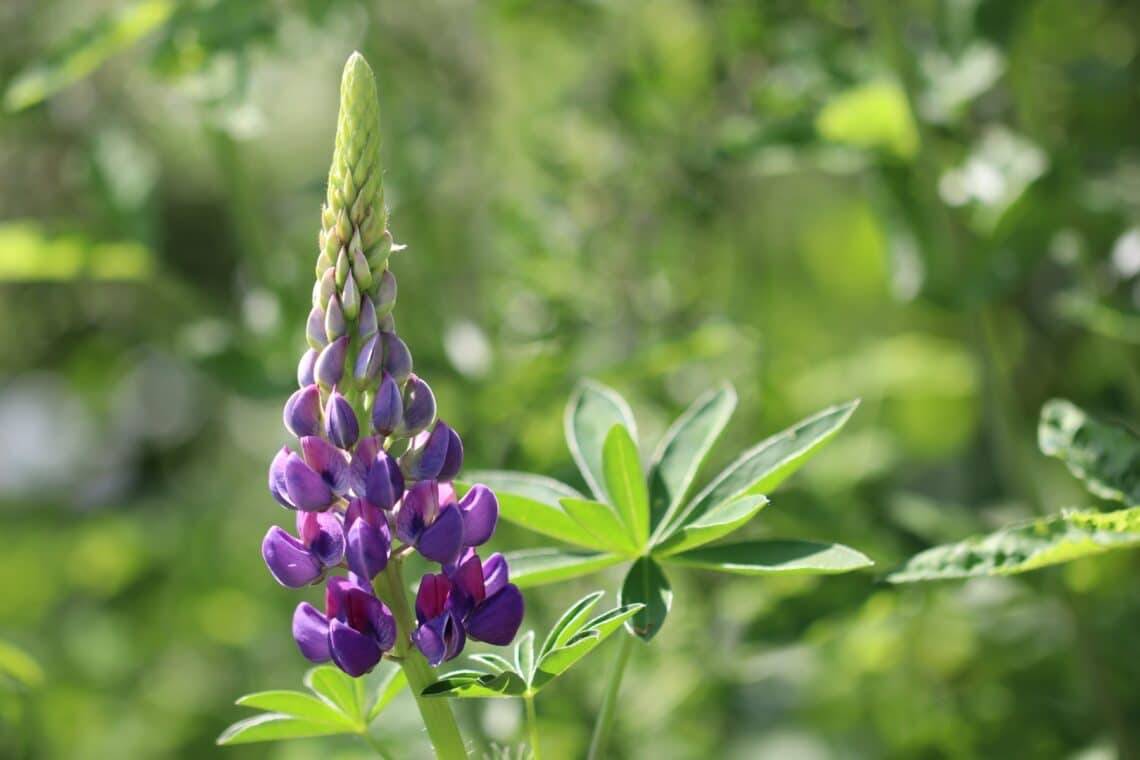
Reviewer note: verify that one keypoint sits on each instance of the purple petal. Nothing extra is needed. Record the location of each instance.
(369, 616)
(315, 328)
(388, 407)
(397, 358)
(443, 539)
(329, 367)
(368, 547)
(277, 485)
(496, 573)
(418, 509)
(386, 293)
(467, 583)
(385, 483)
(335, 325)
(329, 462)
(305, 368)
(305, 488)
(323, 534)
(362, 459)
(419, 406)
(352, 651)
(480, 510)
(366, 366)
(426, 454)
(431, 598)
(311, 632)
(440, 639)
(303, 411)
(497, 620)
(453, 462)
(366, 322)
(289, 560)
(340, 421)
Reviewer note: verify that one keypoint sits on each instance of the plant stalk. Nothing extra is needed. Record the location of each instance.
(532, 726)
(436, 713)
(609, 701)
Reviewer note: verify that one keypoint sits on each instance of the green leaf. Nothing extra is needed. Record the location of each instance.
(1106, 457)
(524, 655)
(625, 482)
(1026, 546)
(299, 705)
(873, 114)
(270, 727)
(603, 523)
(683, 449)
(591, 413)
(593, 633)
(768, 463)
(646, 584)
(774, 556)
(19, 666)
(717, 522)
(535, 567)
(85, 51)
(531, 501)
(496, 663)
(388, 689)
(570, 622)
(467, 684)
(337, 688)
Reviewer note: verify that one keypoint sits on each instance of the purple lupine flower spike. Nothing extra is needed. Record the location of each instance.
(388, 408)
(303, 411)
(341, 426)
(369, 539)
(435, 531)
(480, 510)
(354, 632)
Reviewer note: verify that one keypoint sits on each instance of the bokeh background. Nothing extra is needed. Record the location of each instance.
(934, 206)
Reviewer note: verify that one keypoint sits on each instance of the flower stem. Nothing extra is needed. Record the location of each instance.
(436, 713)
(609, 701)
(532, 725)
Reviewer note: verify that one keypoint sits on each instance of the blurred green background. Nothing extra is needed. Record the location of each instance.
(934, 206)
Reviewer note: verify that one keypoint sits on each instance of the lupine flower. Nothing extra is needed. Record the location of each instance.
(480, 510)
(354, 631)
(299, 562)
(341, 426)
(435, 529)
(368, 537)
(440, 635)
(303, 411)
(433, 455)
(377, 477)
(312, 482)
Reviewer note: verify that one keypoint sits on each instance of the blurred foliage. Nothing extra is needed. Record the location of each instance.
(932, 205)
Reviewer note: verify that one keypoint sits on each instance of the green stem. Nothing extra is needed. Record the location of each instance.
(532, 725)
(373, 742)
(609, 701)
(436, 713)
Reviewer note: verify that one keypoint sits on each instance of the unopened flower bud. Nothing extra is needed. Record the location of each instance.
(367, 326)
(315, 329)
(329, 368)
(360, 269)
(368, 361)
(437, 455)
(397, 358)
(419, 406)
(350, 297)
(341, 426)
(388, 407)
(303, 412)
(335, 324)
(305, 368)
(386, 293)
(387, 324)
(326, 289)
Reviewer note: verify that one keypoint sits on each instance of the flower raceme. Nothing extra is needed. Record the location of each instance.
(372, 460)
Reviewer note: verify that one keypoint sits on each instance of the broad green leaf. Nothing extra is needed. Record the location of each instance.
(774, 556)
(1027, 546)
(625, 482)
(768, 463)
(717, 522)
(531, 501)
(19, 666)
(603, 523)
(495, 662)
(336, 687)
(535, 567)
(646, 584)
(570, 622)
(86, 50)
(271, 727)
(683, 450)
(560, 658)
(299, 705)
(592, 411)
(473, 684)
(1106, 457)
(394, 682)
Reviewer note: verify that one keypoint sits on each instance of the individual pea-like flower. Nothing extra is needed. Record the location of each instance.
(355, 630)
(435, 529)
(469, 599)
(369, 539)
(435, 454)
(303, 411)
(376, 475)
(341, 426)
(297, 562)
(312, 481)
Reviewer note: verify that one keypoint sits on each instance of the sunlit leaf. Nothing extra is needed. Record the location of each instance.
(535, 567)
(532, 502)
(336, 687)
(717, 522)
(474, 684)
(388, 689)
(766, 557)
(524, 655)
(1106, 457)
(591, 413)
(625, 483)
(299, 705)
(684, 449)
(646, 584)
(270, 727)
(1024, 547)
(603, 523)
(593, 633)
(570, 622)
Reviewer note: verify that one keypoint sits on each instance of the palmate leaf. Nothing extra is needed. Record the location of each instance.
(591, 413)
(625, 482)
(299, 705)
(768, 557)
(1027, 546)
(535, 567)
(560, 658)
(269, 727)
(338, 689)
(603, 523)
(532, 502)
(1106, 457)
(716, 523)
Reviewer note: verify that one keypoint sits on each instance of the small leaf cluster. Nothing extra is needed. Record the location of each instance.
(571, 639)
(645, 516)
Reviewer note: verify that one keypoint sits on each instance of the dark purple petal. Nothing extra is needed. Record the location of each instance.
(340, 421)
(289, 560)
(322, 533)
(277, 485)
(315, 328)
(311, 632)
(304, 487)
(329, 368)
(352, 651)
(336, 591)
(418, 509)
(368, 547)
(495, 573)
(369, 616)
(453, 462)
(388, 407)
(366, 366)
(362, 459)
(305, 368)
(431, 598)
(467, 583)
(397, 358)
(419, 406)
(480, 510)
(426, 454)
(440, 639)
(329, 462)
(385, 483)
(442, 540)
(497, 620)
(303, 411)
